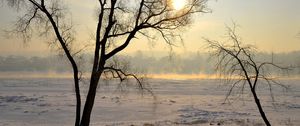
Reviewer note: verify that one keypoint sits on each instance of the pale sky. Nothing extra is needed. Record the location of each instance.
(270, 25)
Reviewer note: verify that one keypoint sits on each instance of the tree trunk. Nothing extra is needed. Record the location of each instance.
(261, 111)
(78, 99)
(71, 60)
(89, 103)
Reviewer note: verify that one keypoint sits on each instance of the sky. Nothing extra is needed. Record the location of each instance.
(270, 25)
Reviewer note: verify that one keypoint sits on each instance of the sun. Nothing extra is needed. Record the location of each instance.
(178, 4)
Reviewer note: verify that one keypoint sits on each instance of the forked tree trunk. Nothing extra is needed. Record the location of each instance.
(261, 111)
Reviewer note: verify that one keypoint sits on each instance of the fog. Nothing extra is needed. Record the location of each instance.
(191, 63)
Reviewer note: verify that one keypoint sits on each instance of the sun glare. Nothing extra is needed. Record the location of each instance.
(178, 4)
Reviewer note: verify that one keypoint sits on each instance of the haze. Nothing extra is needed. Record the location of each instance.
(271, 25)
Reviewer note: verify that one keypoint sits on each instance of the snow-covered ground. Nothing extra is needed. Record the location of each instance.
(51, 102)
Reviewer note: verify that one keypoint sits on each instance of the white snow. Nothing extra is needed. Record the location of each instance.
(49, 102)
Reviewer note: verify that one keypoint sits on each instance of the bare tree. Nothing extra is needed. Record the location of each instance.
(119, 21)
(236, 63)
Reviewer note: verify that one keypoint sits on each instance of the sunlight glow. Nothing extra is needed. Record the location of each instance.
(179, 4)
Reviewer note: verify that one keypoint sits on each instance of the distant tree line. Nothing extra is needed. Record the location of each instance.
(193, 63)
(32, 64)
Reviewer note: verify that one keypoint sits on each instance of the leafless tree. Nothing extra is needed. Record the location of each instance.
(236, 63)
(119, 21)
